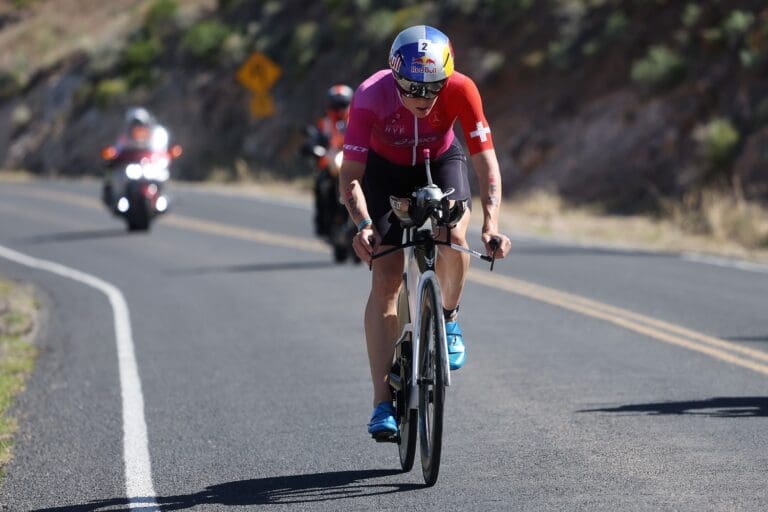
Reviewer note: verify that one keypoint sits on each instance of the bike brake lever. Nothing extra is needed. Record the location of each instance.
(371, 241)
(495, 243)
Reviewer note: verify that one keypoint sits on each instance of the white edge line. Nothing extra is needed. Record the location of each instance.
(725, 262)
(138, 471)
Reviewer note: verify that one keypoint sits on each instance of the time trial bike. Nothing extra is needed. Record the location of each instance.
(421, 370)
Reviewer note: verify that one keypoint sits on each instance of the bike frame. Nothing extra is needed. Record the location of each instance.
(420, 269)
(412, 273)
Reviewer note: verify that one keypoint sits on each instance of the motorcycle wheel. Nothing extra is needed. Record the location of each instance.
(340, 253)
(137, 219)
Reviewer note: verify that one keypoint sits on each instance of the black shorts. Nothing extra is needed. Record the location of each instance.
(382, 179)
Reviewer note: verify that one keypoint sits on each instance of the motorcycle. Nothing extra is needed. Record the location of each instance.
(135, 186)
(333, 222)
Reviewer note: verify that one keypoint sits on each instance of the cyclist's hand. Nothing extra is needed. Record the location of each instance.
(502, 244)
(365, 243)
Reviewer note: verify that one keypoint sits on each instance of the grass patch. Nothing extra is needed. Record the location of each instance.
(17, 356)
(712, 222)
(725, 217)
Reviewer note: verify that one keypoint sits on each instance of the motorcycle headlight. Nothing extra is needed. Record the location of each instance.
(338, 159)
(133, 171)
(157, 170)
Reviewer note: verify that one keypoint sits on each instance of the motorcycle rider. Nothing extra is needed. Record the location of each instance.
(328, 133)
(141, 134)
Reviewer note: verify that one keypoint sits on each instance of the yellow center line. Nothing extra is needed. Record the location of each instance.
(648, 326)
(626, 319)
(57, 195)
(189, 223)
(249, 234)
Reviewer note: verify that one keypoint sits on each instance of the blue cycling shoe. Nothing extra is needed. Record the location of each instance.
(456, 350)
(383, 425)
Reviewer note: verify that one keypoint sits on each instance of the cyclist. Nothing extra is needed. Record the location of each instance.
(395, 113)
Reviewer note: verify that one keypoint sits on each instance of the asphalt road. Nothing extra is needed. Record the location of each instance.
(597, 379)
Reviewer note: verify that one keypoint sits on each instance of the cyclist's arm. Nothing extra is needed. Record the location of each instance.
(489, 179)
(350, 179)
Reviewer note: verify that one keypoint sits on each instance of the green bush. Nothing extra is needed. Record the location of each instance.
(660, 67)
(303, 37)
(380, 25)
(109, 91)
(160, 19)
(228, 5)
(204, 40)
(137, 60)
(142, 53)
(737, 24)
(616, 25)
(413, 15)
(712, 35)
(718, 141)
(10, 84)
(691, 15)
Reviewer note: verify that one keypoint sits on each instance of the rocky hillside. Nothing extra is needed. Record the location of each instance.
(621, 102)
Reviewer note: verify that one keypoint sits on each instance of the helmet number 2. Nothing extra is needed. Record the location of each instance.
(424, 45)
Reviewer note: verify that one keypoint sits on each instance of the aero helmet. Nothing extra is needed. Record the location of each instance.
(339, 96)
(421, 55)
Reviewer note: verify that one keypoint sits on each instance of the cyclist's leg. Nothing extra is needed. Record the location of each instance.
(382, 179)
(381, 321)
(452, 265)
(451, 171)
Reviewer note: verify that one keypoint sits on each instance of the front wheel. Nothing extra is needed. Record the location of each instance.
(406, 417)
(431, 384)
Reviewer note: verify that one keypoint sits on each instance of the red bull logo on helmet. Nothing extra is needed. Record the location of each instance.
(424, 65)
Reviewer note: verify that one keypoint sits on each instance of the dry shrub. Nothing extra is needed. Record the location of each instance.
(723, 215)
(540, 203)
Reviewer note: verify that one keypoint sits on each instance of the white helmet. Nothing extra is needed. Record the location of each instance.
(138, 115)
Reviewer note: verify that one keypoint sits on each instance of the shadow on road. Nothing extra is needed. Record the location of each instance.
(749, 338)
(254, 267)
(719, 407)
(75, 236)
(319, 487)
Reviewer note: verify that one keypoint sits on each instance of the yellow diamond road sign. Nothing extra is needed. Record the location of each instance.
(258, 73)
(262, 105)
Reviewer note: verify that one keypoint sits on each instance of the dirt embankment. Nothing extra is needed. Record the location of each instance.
(624, 103)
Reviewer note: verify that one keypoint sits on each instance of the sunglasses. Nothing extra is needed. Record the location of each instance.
(427, 90)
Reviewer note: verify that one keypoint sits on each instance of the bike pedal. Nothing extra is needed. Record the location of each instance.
(386, 437)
